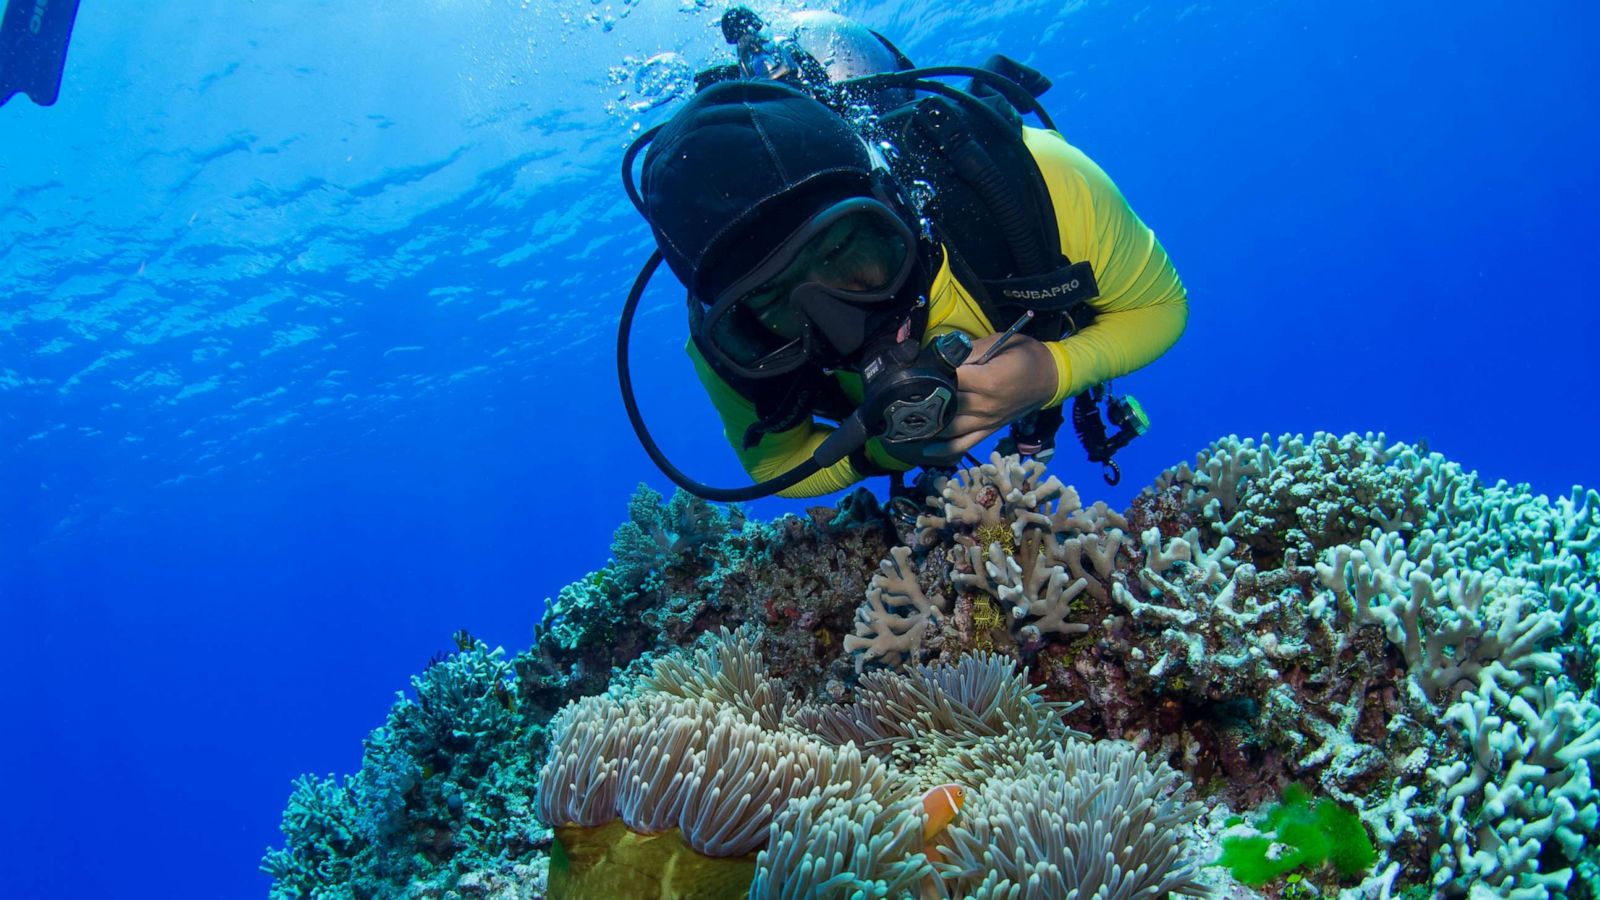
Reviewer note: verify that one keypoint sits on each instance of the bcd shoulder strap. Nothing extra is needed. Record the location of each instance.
(991, 208)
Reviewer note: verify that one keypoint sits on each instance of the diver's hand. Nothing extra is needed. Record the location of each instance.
(1020, 379)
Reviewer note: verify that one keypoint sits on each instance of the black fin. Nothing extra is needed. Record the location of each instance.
(33, 48)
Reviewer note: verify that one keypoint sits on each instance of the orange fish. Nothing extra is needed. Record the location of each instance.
(941, 804)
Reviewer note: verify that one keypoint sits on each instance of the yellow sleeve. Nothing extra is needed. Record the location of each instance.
(1142, 307)
(780, 451)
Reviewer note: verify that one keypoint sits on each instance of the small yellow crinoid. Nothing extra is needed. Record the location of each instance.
(988, 535)
(985, 618)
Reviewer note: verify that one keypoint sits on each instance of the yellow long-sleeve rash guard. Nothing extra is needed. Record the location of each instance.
(1140, 313)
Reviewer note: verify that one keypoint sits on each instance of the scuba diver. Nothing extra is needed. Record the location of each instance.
(33, 47)
(883, 269)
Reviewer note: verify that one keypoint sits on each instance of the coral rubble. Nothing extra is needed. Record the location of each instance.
(1361, 617)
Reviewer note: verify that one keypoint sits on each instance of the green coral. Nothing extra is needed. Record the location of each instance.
(1296, 836)
(443, 793)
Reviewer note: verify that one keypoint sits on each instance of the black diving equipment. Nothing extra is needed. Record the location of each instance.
(818, 297)
(761, 56)
(1123, 412)
(909, 393)
(33, 47)
(908, 396)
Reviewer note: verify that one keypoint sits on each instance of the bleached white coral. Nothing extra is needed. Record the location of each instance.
(1006, 492)
(1486, 593)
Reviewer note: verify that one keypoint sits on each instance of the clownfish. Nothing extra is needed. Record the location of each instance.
(940, 804)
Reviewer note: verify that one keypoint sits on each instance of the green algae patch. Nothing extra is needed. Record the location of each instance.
(1296, 836)
(612, 863)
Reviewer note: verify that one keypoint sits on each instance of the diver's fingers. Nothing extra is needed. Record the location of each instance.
(960, 444)
(967, 423)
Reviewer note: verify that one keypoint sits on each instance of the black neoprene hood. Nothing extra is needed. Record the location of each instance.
(741, 165)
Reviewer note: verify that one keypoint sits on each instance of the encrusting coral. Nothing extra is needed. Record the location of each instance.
(1358, 616)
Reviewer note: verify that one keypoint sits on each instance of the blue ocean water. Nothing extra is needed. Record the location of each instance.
(309, 310)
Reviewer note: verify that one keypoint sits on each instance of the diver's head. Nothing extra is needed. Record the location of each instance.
(785, 226)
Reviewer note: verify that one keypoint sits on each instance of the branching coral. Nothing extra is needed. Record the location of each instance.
(658, 535)
(321, 835)
(441, 790)
(1475, 591)
(1019, 538)
(897, 613)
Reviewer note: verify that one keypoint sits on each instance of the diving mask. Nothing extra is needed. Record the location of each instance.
(818, 296)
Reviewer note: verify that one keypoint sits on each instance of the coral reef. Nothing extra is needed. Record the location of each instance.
(441, 796)
(1363, 614)
(658, 536)
(1358, 616)
(799, 576)
(707, 747)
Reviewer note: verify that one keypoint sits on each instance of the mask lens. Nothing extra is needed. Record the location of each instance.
(815, 290)
(745, 339)
(857, 254)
